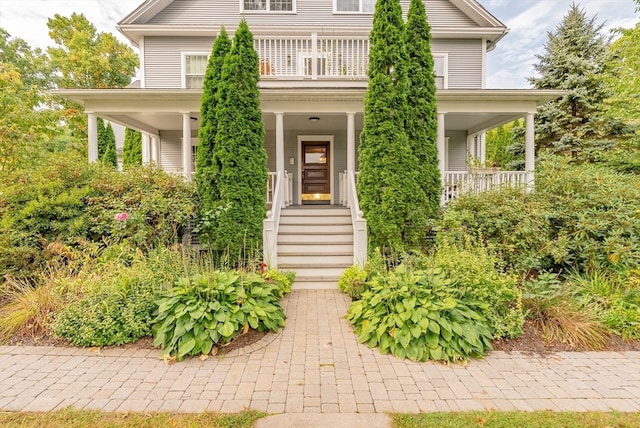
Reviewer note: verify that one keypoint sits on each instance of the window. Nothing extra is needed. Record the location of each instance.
(440, 68)
(355, 6)
(268, 5)
(194, 67)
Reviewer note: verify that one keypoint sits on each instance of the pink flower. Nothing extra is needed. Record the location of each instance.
(123, 216)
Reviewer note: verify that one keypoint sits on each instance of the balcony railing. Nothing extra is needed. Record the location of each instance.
(313, 57)
(457, 183)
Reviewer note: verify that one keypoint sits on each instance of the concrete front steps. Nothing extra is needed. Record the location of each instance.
(316, 243)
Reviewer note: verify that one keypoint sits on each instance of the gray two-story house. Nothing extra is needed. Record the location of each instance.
(313, 66)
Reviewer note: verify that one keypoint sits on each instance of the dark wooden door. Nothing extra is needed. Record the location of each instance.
(316, 172)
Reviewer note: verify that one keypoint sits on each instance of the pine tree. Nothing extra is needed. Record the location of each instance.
(239, 149)
(205, 170)
(574, 60)
(132, 149)
(422, 117)
(110, 157)
(388, 182)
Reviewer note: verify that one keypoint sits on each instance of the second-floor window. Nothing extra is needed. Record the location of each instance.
(194, 66)
(354, 6)
(268, 5)
(440, 68)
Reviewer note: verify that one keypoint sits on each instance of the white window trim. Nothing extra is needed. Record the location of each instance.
(350, 12)
(293, 10)
(445, 66)
(183, 66)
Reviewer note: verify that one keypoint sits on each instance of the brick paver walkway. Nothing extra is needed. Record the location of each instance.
(314, 365)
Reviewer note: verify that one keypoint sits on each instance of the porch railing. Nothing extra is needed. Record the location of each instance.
(457, 183)
(313, 56)
(271, 223)
(349, 198)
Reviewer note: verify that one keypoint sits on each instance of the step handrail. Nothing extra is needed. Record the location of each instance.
(271, 223)
(358, 221)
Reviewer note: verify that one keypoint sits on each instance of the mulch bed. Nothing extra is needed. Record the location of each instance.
(530, 342)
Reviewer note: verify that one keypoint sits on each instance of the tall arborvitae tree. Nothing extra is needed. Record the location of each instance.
(574, 60)
(205, 169)
(132, 149)
(388, 182)
(102, 138)
(422, 117)
(110, 157)
(239, 149)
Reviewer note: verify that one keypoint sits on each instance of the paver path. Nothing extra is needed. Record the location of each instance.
(314, 365)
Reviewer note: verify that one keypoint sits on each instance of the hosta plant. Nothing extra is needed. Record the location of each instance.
(211, 309)
(416, 315)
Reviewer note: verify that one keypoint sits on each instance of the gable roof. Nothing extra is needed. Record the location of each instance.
(474, 10)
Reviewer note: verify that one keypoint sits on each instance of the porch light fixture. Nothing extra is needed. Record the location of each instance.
(195, 119)
(314, 119)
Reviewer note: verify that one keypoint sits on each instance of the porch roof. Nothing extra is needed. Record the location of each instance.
(155, 110)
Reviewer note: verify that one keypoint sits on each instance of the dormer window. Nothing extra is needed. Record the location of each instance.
(354, 6)
(268, 5)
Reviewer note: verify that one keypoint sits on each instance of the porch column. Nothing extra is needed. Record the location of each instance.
(146, 152)
(529, 149)
(440, 143)
(351, 142)
(279, 141)
(186, 145)
(155, 149)
(92, 130)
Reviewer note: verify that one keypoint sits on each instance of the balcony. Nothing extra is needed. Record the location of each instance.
(313, 57)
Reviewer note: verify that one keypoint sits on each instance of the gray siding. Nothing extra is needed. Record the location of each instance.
(465, 62)
(309, 13)
(457, 151)
(171, 151)
(163, 58)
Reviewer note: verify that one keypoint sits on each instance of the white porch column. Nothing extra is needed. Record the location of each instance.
(279, 141)
(529, 149)
(155, 149)
(482, 143)
(351, 141)
(146, 151)
(440, 143)
(186, 145)
(92, 130)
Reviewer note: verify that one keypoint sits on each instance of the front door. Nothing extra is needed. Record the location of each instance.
(316, 172)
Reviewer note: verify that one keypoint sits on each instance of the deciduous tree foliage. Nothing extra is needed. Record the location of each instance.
(206, 171)
(239, 149)
(422, 117)
(84, 58)
(574, 59)
(132, 149)
(32, 64)
(388, 182)
(623, 76)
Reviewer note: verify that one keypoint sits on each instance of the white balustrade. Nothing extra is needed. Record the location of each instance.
(350, 200)
(313, 56)
(457, 183)
(271, 223)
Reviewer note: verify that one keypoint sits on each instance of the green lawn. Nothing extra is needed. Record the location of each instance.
(69, 418)
(541, 419)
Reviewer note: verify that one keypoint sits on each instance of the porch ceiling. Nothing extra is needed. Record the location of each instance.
(155, 110)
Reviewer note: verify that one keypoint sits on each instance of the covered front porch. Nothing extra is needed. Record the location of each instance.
(311, 137)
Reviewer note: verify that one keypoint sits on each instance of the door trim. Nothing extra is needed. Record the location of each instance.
(317, 138)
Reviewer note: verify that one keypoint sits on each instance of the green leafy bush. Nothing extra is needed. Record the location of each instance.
(353, 281)
(208, 309)
(480, 276)
(69, 201)
(579, 217)
(417, 315)
(109, 315)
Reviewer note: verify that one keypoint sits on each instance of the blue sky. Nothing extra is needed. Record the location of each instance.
(508, 65)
